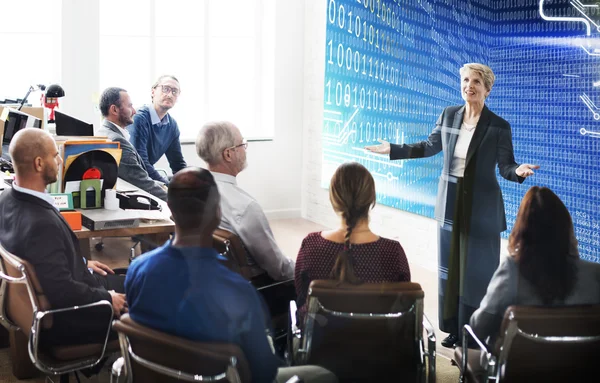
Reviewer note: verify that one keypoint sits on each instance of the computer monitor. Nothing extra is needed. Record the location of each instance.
(70, 126)
(16, 121)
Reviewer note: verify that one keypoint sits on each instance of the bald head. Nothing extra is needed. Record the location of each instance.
(194, 199)
(30, 150)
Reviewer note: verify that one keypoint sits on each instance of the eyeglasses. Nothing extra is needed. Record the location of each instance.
(167, 89)
(244, 144)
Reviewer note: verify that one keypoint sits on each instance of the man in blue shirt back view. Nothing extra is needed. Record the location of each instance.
(200, 298)
(155, 132)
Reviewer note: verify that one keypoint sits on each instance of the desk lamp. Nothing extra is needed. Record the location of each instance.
(50, 99)
(31, 89)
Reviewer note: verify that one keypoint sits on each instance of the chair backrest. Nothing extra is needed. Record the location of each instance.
(232, 248)
(548, 343)
(166, 351)
(364, 332)
(22, 293)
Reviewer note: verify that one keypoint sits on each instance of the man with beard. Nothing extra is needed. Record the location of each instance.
(32, 228)
(221, 146)
(154, 132)
(118, 111)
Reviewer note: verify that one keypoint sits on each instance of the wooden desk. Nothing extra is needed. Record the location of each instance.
(156, 231)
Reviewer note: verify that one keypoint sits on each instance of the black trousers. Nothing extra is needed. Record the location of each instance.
(86, 325)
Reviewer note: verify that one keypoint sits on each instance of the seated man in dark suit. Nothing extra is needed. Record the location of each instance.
(32, 228)
(201, 299)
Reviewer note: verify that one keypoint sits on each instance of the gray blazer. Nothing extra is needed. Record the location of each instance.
(131, 167)
(491, 145)
(508, 287)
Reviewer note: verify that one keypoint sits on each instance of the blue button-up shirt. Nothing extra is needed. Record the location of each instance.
(187, 292)
(152, 137)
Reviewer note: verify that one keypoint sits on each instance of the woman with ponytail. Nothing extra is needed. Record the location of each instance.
(352, 253)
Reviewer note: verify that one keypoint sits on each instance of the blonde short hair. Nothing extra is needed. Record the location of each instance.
(484, 71)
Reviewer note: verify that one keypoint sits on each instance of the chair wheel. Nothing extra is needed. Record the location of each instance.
(99, 246)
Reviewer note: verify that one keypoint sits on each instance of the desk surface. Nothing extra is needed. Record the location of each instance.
(163, 226)
(146, 227)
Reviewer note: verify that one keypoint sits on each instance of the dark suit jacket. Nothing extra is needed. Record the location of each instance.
(491, 145)
(34, 230)
(131, 167)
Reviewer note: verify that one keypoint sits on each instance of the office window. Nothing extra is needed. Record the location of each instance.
(222, 52)
(30, 36)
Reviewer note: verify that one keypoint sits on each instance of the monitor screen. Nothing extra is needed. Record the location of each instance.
(70, 126)
(16, 121)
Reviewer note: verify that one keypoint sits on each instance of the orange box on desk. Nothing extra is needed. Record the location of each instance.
(73, 218)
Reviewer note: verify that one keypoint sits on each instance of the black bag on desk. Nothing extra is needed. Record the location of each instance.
(137, 201)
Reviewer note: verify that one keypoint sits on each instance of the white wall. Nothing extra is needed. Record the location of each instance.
(274, 167)
(417, 234)
(80, 59)
(273, 173)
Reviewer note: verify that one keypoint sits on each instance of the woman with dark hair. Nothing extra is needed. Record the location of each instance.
(543, 267)
(351, 253)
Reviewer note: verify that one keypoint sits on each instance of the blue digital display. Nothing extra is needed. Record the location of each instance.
(393, 66)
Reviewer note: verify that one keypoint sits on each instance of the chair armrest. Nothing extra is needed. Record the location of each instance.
(431, 353)
(117, 370)
(294, 319)
(490, 359)
(38, 316)
(293, 332)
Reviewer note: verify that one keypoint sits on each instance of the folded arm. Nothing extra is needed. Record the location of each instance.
(174, 154)
(132, 171)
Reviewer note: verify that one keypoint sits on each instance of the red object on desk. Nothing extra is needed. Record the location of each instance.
(73, 218)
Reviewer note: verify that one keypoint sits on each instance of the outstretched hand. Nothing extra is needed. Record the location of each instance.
(382, 148)
(526, 170)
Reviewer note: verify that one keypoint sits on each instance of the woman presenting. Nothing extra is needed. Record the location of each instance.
(469, 204)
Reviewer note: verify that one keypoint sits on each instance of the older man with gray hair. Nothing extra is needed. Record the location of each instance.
(221, 146)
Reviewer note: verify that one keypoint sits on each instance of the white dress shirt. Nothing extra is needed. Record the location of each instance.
(465, 136)
(242, 215)
(43, 196)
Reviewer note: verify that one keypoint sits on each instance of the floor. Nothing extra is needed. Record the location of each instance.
(289, 234)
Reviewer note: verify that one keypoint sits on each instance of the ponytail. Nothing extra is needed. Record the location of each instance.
(343, 269)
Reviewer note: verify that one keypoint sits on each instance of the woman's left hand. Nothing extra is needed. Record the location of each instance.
(526, 170)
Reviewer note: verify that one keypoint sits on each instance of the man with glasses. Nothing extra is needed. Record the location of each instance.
(221, 146)
(154, 131)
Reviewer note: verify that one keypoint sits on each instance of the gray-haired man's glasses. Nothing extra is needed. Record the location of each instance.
(244, 144)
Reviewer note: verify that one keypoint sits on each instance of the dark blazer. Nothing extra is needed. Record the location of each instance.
(491, 145)
(34, 230)
(131, 166)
